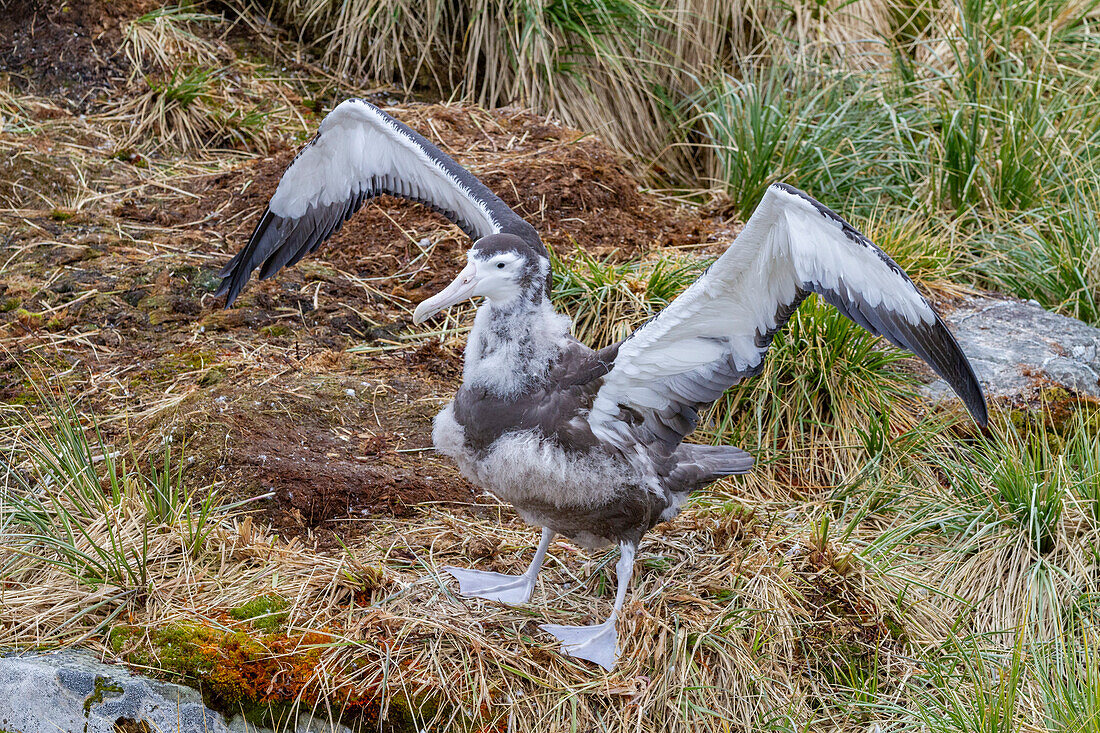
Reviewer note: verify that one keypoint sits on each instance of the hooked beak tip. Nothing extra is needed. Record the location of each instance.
(459, 290)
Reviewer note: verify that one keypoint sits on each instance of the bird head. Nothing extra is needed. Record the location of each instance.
(503, 268)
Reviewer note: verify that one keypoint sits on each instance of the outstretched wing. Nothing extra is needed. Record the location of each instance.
(718, 331)
(360, 152)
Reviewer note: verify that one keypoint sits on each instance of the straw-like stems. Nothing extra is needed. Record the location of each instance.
(189, 91)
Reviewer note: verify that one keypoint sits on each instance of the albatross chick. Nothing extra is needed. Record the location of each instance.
(583, 443)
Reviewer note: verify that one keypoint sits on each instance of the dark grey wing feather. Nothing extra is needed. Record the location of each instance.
(695, 466)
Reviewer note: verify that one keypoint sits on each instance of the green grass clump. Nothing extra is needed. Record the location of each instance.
(830, 133)
(968, 692)
(1022, 477)
(1068, 676)
(1051, 254)
(182, 89)
(74, 501)
(611, 300)
(824, 379)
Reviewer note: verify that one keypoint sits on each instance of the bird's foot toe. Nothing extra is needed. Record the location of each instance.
(513, 589)
(597, 643)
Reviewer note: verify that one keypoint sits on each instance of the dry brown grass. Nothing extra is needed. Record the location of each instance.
(816, 594)
(609, 67)
(732, 620)
(188, 89)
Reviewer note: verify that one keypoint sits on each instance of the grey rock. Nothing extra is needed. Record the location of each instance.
(47, 692)
(1018, 348)
(72, 691)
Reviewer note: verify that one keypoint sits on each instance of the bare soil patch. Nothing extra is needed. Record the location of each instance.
(330, 438)
(69, 49)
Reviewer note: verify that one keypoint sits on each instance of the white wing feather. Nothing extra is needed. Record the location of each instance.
(357, 142)
(718, 331)
(360, 152)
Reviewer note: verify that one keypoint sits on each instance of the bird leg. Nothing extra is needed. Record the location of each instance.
(510, 589)
(599, 643)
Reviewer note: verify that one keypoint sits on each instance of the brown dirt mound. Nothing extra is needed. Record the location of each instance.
(330, 437)
(317, 477)
(67, 50)
(570, 186)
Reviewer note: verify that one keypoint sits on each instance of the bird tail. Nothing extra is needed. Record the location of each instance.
(699, 465)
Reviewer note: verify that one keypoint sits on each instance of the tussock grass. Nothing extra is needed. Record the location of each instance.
(1050, 253)
(825, 379)
(1012, 535)
(163, 36)
(74, 501)
(189, 91)
(614, 66)
(611, 300)
(828, 132)
(1068, 677)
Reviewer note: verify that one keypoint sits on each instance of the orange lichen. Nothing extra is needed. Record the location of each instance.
(262, 675)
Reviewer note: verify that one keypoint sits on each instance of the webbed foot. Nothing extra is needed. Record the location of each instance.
(597, 643)
(511, 589)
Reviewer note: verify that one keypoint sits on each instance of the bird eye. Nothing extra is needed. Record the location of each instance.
(500, 265)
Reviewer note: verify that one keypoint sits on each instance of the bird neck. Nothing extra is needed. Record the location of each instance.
(511, 347)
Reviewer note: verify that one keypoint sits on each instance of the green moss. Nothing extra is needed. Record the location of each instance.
(158, 317)
(206, 280)
(61, 215)
(232, 670)
(23, 399)
(194, 360)
(895, 629)
(267, 612)
(28, 319)
(266, 682)
(161, 307)
(183, 649)
(119, 636)
(102, 687)
(171, 365)
(9, 305)
(131, 156)
(153, 303)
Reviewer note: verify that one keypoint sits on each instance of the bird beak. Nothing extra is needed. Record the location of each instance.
(459, 290)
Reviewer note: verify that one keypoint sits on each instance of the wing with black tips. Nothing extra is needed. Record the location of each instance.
(360, 152)
(718, 331)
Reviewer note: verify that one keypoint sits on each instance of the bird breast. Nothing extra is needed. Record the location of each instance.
(525, 468)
